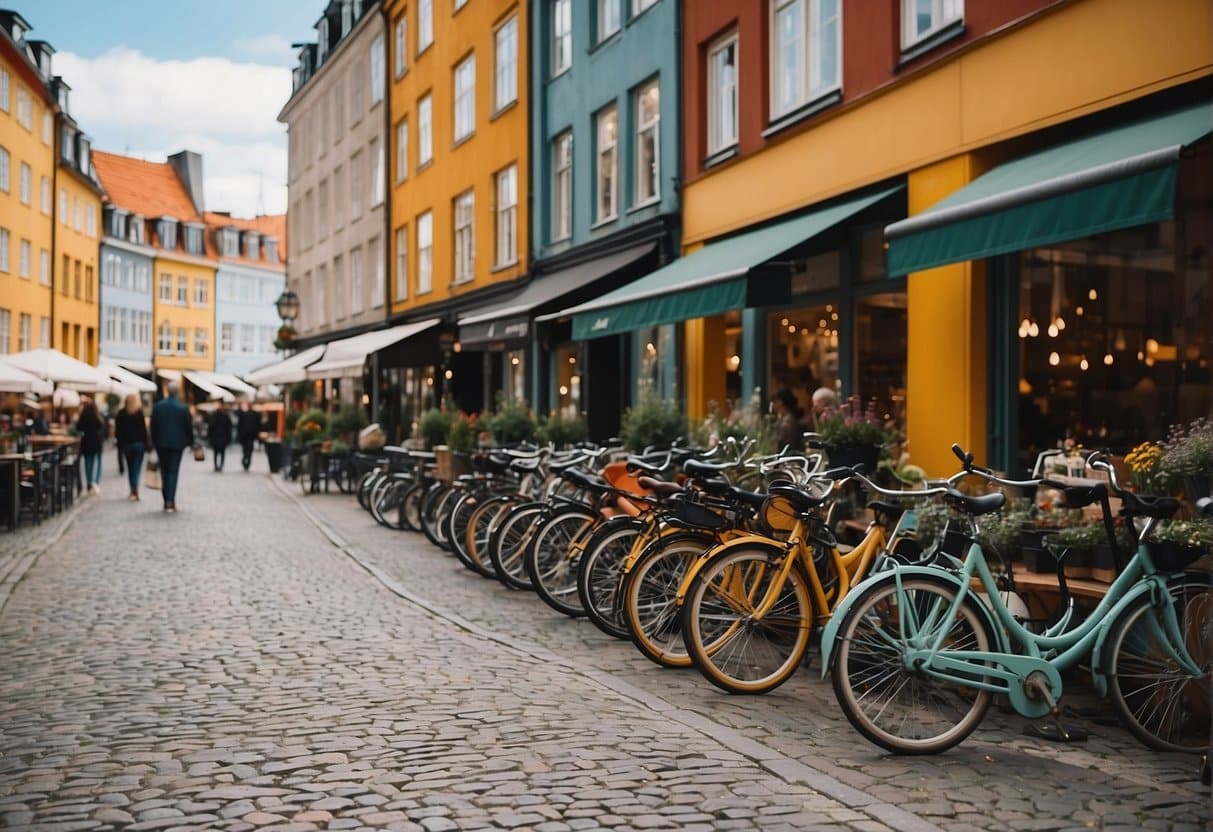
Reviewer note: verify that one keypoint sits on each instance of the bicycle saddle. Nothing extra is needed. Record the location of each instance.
(754, 499)
(591, 482)
(698, 468)
(659, 487)
(562, 465)
(648, 465)
(1144, 505)
(801, 500)
(975, 505)
(892, 511)
(525, 465)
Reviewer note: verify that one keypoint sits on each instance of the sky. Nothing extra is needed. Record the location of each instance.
(151, 77)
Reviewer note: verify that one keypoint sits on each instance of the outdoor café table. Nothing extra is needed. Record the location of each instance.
(53, 441)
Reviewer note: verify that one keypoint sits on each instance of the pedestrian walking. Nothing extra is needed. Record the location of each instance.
(130, 430)
(248, 426)
(220, 432)
(92, 437)
(172, 431)
(117, 444)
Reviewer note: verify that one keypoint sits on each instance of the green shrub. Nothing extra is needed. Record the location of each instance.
(511, 424)
(347, 421)
(562, 431)
(312, 425)
(462, 435)
(434, 426)
(301, 391)
(652, 422)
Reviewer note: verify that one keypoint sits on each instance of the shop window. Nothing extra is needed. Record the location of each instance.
(803, 345)
(656, 361)
(880, 352)
(515, 375)
(568, 381)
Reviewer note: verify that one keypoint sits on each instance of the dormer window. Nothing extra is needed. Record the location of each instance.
(229, 242)
(271, 249)
(252, 242)
(44, 63)
(115, 223)
(166, 230)
(358, 9)
(67, 145)
(193, 239)
(323, 44)
(85, 148)
(63, 98)
(136, 231)
(346, 20)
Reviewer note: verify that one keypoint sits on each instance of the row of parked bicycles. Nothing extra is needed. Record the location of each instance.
(729, 562)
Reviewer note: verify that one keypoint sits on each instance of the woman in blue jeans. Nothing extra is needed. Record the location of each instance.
(92, 436)
(130, 429)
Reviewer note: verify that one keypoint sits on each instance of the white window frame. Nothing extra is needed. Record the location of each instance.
(610, 18)
(400, 46)
(202, 340)
(165, 288)
(44, 267)
(377, 69)
(943, 14)
(606, 163)
(200, 292)
(5, 262)
(25, 253)
(6, 323)
(402, 150)
(183, 291)
(562, 180)
(356, 289)
(26, 323)
(4, 90)
(425, 252)
(355, 186)
(164, 338)
(639, 6)
(379, 293)
(227, 337)
(562, 36)
(402, 263)
(6, 183)
(44, 332)
(183, 340)
(47, 126)
(465, 97)
(425, 25)
(26, 183)
(464, 211)
(505, 76)
(507, 216)
(377, 177)
(647, 130)
(723, 95)
(808, 73)
(425, 130)
(25, 109)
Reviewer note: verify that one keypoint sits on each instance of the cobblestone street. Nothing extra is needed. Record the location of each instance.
(263, 660)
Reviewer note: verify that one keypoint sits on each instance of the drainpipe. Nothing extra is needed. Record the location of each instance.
(386, 248)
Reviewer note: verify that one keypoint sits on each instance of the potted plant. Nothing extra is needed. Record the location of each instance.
(563, 431)
(286, 337)
(512, 423)
(854, 434)
(312, 426)
(347, 421)
(434, 426)
(1146, 473)
(1074, 545)
(1188, 454)
(652, 422)
(1177, 544)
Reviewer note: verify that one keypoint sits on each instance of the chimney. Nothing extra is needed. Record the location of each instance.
(188, 166)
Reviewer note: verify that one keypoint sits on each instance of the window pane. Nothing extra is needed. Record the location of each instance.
(789, 33)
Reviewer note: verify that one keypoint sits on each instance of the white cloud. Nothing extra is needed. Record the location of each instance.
(148, 108)
(270, 46)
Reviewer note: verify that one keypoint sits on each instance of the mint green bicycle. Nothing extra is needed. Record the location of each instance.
(917, 653)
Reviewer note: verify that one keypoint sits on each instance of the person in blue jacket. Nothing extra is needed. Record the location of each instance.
(172, 432)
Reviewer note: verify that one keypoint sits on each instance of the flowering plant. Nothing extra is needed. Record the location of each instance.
(742, 423)
(1196, 534)
(853, 423)
(1188, 450)
(462, 435)
(1146, 471)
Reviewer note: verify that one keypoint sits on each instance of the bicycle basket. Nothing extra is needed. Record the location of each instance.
(777, 516)
(696, 515)
(1169, 556)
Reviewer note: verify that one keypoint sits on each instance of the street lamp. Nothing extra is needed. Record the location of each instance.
(288, 306)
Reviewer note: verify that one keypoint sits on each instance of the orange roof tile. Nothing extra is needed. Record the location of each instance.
(152, 189)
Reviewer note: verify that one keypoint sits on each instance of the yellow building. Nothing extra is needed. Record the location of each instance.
(160, 201)
(458, 163)
(27, 169)
(77, 240)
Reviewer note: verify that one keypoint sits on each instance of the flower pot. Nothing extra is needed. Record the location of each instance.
(850, 454)
(274, 453)
(1169, 556)
(1103, 563)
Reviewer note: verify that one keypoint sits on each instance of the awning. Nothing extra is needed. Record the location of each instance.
(1115, 179)
(347, 357)
(212, 391)
(61, 369)
(229, 382)
(135, 365)
(15, 380)
(287, 371)
(171, 375)
(127, 378)
(508, 321)
(709, 281)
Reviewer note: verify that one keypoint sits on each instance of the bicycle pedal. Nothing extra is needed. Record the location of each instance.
(1056, 731)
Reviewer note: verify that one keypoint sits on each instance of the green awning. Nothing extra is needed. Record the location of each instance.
(710, 281)
(1115, 179)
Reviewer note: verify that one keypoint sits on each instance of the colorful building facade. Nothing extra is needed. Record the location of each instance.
(250, 278)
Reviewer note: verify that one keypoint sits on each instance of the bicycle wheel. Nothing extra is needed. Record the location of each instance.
(347, 477)
(1163, 706)
(508, 545)
(364, 488)
(551, 562)
(479, 531)
(307, 481)
(410, 507)
(650, 597)
(598, 573)
(385, 503)
(894, 706)
(734, 650)
(433, 512)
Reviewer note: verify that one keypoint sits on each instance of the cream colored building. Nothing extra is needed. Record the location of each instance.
(336, 181)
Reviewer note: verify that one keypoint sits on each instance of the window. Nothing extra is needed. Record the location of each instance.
(608, 18)
(377, 70)
(77, 214)
(6, 317)
(425, 24)
(77, 277)
(201, 341)
(200, 292)
(44, 332)
(24, 332)
(23, 258)
(357, 105)
(607, 165)
(347, 19)
(4, 261)
(88, 284)
(507, 216)
(562, 36)
(562, 210)
(377, 187)
(465, 244)
(25, 109)
(399, 50)
(271, 249)
(248, 337)
(229, 242)
(356, 289)
(90, 220)
(505, 90)
(64, 216)
(322, 215)
(339, 287)
(4, 92)
(648, 143)
(44, 267)
(164, 338)
(922, 18)
(465, 98)
(47, 126)
(226, 337)
(44, 195)
(356, 186)
(402, 150)
(722, 94)
(67, 145)
(459, 4)
(26, 184)
(183, 291)
(425, 252)
(402, 263)
(379, 291)
(193, 239)
(4, 174)
(640, 5)
(806, 51)
(67, 275)
(183, 340)
(425, 138)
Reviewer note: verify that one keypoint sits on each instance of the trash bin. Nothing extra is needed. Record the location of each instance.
(273, 453)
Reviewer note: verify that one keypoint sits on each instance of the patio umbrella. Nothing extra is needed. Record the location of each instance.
(65, 397)
(15, 380)
(62, 369)
(129, 380)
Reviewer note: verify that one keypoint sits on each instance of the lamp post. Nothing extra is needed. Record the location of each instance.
(288, 310)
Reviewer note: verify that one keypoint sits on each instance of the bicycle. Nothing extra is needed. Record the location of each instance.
(916, 656)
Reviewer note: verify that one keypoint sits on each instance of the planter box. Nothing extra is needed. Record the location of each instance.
(274, 454)
(1039, 560)
(450, 465)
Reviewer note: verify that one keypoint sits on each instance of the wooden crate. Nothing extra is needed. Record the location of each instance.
(449, 465)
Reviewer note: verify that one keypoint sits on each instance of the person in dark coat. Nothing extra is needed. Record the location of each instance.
(130, 431)
(219, 429)
(92, 435)
(248, 426)
(172, 431)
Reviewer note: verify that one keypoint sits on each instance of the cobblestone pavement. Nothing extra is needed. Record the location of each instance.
(228, 668)
(997, 779)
